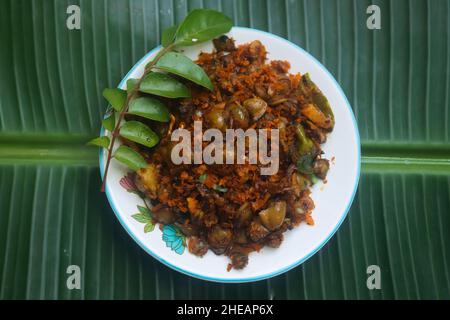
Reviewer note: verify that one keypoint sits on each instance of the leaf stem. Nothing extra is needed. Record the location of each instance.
(115, 132)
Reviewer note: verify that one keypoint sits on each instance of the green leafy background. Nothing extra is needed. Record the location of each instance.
(52, 214)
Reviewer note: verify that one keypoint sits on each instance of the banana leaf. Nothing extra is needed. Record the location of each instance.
(52, 214)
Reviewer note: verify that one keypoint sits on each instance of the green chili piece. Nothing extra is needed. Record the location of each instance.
(305, 144)
(318, 98)
(306, 151)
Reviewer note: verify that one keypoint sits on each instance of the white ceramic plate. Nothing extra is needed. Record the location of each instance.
(332, 199)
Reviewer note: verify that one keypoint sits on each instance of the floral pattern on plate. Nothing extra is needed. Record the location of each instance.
(172, 236)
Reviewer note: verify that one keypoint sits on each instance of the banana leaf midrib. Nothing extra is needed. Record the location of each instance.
(70, 149)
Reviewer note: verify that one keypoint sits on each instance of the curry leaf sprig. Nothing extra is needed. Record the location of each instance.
(140, 98)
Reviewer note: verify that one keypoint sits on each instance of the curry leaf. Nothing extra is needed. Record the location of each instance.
(202, 25)
(168, 35)
(149, 108)
(140, 133)
(181, 65)
(130, 158)
(109, 122)
(116, 97)
(99, 142)
(161, 84)
(131, 84)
